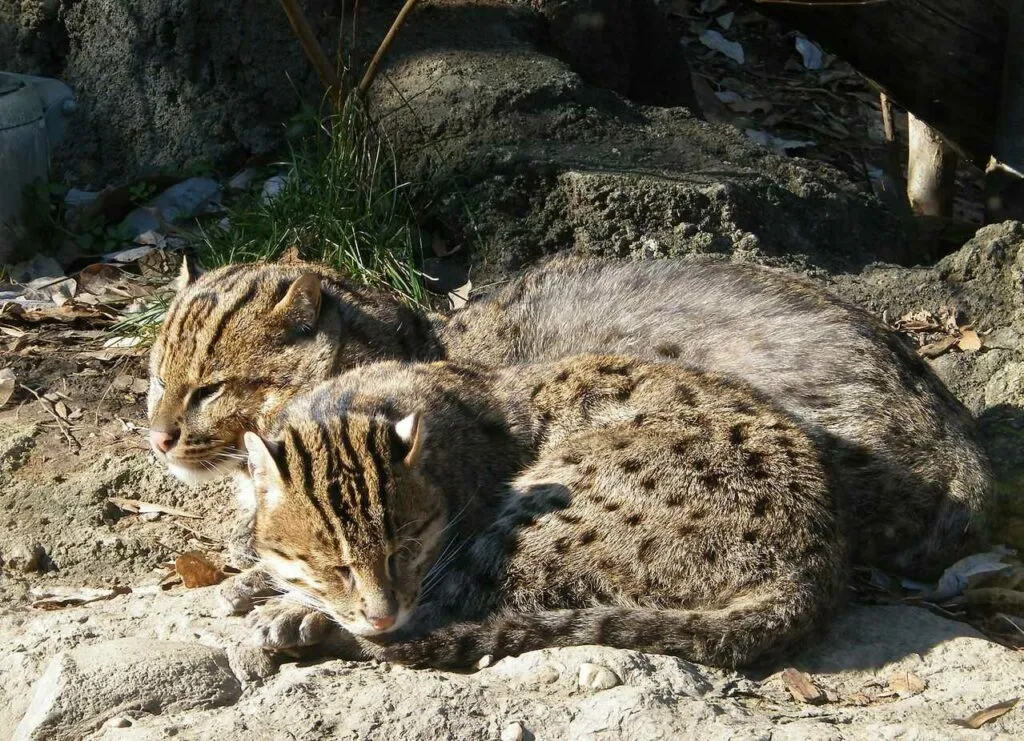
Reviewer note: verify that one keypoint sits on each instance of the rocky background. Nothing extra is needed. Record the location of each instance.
(534, 142)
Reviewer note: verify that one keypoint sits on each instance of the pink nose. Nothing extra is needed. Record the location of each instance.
(380, 622)
(162, 441)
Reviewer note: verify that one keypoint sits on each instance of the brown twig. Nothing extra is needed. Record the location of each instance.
(62, 423)
(371, 70)
(307, 39)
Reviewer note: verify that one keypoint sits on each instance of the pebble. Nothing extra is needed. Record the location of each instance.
(513, 732)
(26, 558)
(485, 661)
(118, 721)
(596, 677)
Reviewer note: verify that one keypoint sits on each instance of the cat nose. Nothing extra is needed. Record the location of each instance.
(163, 440)
(380, 622)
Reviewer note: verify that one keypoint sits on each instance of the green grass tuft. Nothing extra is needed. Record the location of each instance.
(342, 204)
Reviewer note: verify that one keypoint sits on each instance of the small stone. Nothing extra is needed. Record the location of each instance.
(485, 661)
(26, 558)
(513, 732)
(118, 721)
(596, 677)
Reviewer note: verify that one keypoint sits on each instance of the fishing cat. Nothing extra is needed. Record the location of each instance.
(447, 512)
(913, 482)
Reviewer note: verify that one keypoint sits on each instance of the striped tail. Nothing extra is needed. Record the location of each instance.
(747, 631)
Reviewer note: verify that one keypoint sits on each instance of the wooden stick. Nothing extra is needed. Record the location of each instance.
(371, 70)
(307, 39)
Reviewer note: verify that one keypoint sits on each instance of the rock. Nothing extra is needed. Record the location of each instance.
(181, 201)
(596, 677)
(82, 688)
(272, 187)
(513, 732)
(118, 721)
(251, 664)
(26, 558)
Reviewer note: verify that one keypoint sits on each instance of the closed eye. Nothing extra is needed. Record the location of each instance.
(347, 576)
(206, 394)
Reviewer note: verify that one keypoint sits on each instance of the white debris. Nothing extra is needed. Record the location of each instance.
(716, 41)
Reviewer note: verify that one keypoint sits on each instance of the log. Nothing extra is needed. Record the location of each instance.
(940, 59)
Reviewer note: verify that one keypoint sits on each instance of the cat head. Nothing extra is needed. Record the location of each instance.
(345, 523)
(236, 344)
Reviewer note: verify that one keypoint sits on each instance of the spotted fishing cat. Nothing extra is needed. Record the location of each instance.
(447, 512)
(913, 482)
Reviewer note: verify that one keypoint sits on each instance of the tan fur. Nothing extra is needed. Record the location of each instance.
(598, 499)
(912, 480)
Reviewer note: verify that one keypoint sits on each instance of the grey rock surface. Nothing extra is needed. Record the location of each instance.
(148, 665)
(80, 690)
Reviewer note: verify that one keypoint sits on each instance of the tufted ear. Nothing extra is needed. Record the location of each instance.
(301, 305)
(263, 468)
(188, 274)
(407, 435)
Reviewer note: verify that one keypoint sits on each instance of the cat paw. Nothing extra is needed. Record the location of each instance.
(239, 594)
(280, 625)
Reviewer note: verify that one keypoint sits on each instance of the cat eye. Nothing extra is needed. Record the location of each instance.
(347, 576)
(392, 566)
(206, 394)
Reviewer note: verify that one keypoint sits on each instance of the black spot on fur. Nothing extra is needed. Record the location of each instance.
(711, 480)
(685, 531)
(536, 390)
(644, 549)
(561, 546)
(761, 507)
(680, 447)
(568, 519)
(668, 350)
(610, 506)
(587, 536)
(710, 556)
(649, 483)
(572, 459)
(615, 370)
(623, 393)
(737, 434)
(750, 536)
(631, 465)
(563, 375)
(639, 420)
(621, 443)
(633, 520)
(460, 326)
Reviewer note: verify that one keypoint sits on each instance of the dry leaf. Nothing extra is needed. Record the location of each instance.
(987, 715)
(969, 341)
(13, 332)
(137, 507)
(57, 598)
(935, 349)
(802, 688)
(7, 384)
(907, 684)
(196, 570)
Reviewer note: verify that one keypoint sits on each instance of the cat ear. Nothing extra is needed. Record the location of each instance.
(407, 439)
(301, 305)
(263, 469)
(187, 275)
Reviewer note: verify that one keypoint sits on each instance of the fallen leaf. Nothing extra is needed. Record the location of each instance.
(13, 332)
(459, 297)
(716, 41)
(7, 384)
(136, 507)
(62, 409)
(987, 715)
(969, 341)
(907, 684)
(802, 688)
(196, 570)
(959, 577)
(935, 349)
(57, 598)
(810, 53)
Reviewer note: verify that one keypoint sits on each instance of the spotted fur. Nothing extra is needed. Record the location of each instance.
(913, 482)
(598, 499)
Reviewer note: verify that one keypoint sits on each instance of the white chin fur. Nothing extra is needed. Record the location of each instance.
(196, 476)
